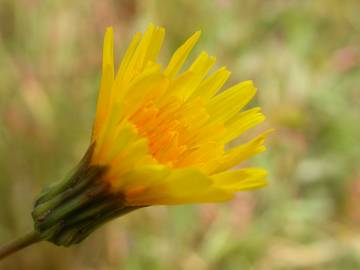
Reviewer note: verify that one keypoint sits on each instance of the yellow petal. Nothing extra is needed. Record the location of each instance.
(107, 132)
(134, 155)
(242, 122)
(178, 88)
(125, 134)
(225, 105)
(202, 65)
(107, 79)
(146, 175)
(242, 179)
(127, 58)
(211, 195)
(180, 55)
(183, 86)
(180, 185)
(156, 43)
(187, 181)
(242, 152)
(148, 83)
(199, 68)
(138, 60)
(140, 179)
(211, 85)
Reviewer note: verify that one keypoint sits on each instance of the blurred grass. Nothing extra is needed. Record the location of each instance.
(303, 56)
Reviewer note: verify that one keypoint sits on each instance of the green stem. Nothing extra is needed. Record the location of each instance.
(19, 243)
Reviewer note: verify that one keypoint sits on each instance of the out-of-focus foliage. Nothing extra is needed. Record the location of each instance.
(304, 56)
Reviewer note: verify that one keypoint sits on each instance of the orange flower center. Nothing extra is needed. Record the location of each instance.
(178, 132)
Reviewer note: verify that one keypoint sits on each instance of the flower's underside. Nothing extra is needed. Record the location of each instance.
(162, 133)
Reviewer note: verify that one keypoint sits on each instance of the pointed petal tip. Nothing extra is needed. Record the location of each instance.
(263, 183)
(195, 37)
(225, 70)
(150, 27)
(249, 82)
(161, 29)
(269, 131)
(109, 30)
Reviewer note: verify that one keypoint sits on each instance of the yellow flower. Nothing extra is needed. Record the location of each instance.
(159, 137)
(162, 134)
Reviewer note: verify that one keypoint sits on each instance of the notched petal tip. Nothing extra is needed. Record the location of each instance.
(241, 179)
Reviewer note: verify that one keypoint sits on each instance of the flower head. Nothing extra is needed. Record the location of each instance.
(162, 133)
(160, 136)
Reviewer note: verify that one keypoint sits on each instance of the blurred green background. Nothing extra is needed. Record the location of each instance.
(304, 56)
